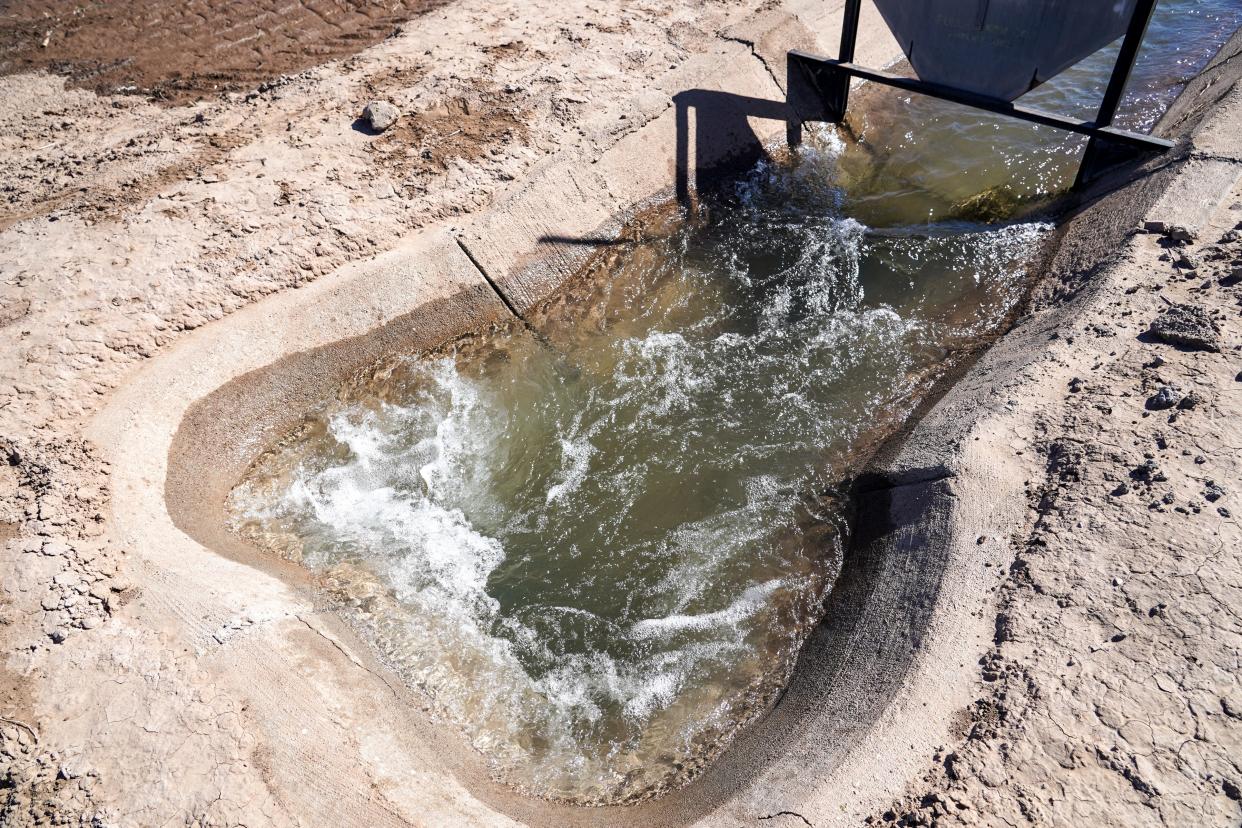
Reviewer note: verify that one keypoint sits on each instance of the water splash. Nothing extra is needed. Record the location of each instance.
(598, 552)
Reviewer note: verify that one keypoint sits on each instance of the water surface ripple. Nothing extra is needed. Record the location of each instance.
(598, 550)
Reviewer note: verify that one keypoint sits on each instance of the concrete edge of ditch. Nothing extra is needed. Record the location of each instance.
(182, 431)
(896, 657)
(184, 426)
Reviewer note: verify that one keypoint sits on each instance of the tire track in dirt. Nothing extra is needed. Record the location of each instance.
(178, 52)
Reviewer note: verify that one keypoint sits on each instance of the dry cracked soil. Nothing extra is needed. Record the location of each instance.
(1111, 696)
(219, 175)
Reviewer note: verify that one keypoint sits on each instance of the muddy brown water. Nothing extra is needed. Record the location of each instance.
(179, 52)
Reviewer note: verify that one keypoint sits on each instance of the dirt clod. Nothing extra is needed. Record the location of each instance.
(1181, 233)
(1166, 397)
(1189, 326)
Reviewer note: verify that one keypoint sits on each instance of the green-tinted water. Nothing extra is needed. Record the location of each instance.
(599, 550)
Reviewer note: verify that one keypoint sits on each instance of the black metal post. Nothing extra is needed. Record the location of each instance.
(1101, 153)
(819, 90)
(837, 83)
(849, 30)
(1125, 61)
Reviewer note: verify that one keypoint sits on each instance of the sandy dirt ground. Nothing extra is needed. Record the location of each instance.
(1110, 696)
(180, 52)
(129, 222)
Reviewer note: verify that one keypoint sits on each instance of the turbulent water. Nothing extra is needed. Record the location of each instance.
(597, 548)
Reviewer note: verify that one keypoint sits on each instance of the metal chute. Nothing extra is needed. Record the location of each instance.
(1001, 48)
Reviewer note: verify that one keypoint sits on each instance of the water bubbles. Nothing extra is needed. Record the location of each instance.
(575, 460)
(598, 551)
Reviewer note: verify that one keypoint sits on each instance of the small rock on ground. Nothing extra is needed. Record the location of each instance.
(1166, 397)
(1178, 232)
(1189, 326)
(1190, 401)
(380, 115)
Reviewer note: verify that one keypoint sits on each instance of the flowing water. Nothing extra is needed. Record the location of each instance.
(598, 549)
(941, 157)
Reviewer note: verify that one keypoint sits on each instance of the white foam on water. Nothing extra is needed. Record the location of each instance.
(661, 369)
(745, 606)
(575, 462)
(598, 578)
